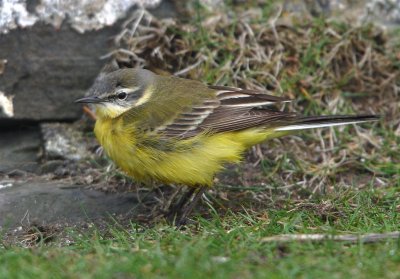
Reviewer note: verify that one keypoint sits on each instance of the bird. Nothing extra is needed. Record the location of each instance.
(183, 132)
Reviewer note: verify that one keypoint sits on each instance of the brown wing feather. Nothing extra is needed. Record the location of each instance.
(252, 118)
(232, 109)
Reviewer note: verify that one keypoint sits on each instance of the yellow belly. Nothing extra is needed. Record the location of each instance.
(194, 162)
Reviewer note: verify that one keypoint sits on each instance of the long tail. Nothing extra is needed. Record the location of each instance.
(325, 121)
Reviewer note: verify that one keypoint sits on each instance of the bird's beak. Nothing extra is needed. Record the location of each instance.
(89, 100)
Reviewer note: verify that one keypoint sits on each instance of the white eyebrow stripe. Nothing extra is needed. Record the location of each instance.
(148, 92)
(127, 90)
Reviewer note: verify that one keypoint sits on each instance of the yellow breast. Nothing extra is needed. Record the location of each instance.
(192, 162)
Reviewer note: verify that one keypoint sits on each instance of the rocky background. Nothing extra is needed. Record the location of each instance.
(50, 53)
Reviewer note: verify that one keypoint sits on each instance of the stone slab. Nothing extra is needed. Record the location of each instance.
(49, 202)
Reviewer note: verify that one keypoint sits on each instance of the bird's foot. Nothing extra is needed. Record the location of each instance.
(179, 213)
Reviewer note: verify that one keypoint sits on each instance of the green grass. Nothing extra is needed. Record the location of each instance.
(229, 245)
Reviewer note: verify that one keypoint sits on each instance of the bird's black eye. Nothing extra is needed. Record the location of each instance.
(122, 95)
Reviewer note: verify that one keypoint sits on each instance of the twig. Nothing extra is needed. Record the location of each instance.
(191, 67)
(136, 23)
(365, 238)
(89, 113)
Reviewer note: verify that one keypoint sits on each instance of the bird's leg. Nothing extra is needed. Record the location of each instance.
(174, 210)
(166, 207)
(181, 219)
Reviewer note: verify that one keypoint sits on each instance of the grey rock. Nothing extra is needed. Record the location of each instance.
(48, 68)
(19, 149)
(51, 166)
(47, 202)
(385, 13)
(6, 106)
(63, 141)
(81, 15)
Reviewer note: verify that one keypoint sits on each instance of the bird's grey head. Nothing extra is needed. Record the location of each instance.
(115, 92)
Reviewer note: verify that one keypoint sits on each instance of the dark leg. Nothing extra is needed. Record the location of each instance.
(180, 212)
(187, 210)
(176, 208)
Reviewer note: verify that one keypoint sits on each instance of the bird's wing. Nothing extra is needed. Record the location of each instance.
(232, 109)
(179, 108)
